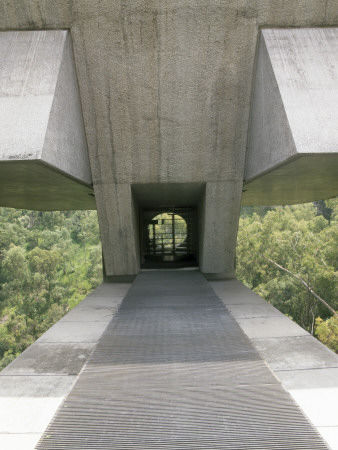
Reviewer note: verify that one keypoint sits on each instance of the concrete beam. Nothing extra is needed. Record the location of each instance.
(293, 140)
(43, 149)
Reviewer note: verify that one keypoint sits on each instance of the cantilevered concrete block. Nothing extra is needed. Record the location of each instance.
(293, 140)
(43, 151)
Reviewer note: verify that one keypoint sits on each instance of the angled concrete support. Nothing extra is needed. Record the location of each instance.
(43, 150)
(292, 152)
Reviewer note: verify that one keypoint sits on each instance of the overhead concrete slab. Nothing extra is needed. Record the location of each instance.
(301, 179)
(43, 148)
(36, 185)
(292, 154)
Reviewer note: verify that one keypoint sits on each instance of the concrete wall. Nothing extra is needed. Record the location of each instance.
(165, 91)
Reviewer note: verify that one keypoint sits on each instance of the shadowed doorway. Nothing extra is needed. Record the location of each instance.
(169, 237)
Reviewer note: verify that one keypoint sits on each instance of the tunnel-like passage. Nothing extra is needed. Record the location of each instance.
(169, 237)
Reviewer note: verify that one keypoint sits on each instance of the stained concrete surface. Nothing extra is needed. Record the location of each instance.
(165, 91)
(292, 144)
(41, 119)
(51, 359)
(45, 385)
(76, 332)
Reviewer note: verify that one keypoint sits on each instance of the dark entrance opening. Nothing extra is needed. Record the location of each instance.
(169, 237)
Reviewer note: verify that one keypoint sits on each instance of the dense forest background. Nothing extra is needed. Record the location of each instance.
(289, 256)
(49, 261)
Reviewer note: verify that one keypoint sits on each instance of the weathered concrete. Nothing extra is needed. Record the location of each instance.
(165, 92)
(293, 140)
(34, 385)
(42, 135)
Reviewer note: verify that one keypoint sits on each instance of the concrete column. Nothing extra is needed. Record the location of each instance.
(119, 232)
(218, 229)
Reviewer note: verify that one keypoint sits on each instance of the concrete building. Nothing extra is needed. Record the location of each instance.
(166, 116)
(184, 104)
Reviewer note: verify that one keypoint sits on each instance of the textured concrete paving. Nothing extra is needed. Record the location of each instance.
(307, 369)
(174, 370)
(34, 385)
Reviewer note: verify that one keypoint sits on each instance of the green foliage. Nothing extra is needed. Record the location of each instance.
(303, 240)
(327, 332)
(45, 270)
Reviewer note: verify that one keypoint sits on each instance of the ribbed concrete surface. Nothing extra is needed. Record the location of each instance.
(174, 371)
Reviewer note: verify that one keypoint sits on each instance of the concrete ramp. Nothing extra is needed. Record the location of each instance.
(174, 370)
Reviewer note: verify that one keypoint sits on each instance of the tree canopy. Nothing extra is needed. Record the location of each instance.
(289, 256)
(48, 262)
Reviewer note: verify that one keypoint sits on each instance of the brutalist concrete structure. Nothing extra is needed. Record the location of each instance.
(181, 104)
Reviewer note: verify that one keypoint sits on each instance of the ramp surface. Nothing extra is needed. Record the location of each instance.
(174, 371)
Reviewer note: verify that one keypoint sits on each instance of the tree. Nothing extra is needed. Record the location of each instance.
(288, 254)
(42, 271)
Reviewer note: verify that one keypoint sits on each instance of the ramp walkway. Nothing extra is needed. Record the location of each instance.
(173, 370)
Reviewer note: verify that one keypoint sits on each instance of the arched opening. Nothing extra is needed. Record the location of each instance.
(168, 237)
